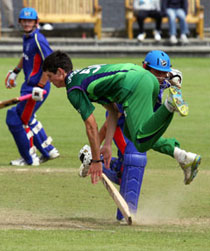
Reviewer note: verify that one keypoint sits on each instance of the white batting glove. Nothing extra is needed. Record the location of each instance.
(176, 78)
(10, 80)
(38, 94)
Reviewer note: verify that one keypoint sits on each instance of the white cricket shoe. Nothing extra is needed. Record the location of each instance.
(85, 157)
(53, 154)
(190, 167)
(22, 162)
(189, 163)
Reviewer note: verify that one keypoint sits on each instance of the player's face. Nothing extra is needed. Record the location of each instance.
(28, 25)
(58, 78)
(160, 75)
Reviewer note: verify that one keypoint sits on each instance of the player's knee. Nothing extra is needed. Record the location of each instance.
(141, 147)
(135, 159)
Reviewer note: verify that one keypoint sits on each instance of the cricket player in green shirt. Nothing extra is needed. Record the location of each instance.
(132, 86)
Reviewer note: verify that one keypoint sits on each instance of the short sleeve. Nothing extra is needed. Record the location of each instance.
(81, 103)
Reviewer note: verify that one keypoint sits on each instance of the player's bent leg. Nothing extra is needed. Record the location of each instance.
(131, 181)
(21, 138)
(144, 126)
(144, 140)
(43, 142)
(166, 146)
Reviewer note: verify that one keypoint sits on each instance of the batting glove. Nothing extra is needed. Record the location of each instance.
(10, 80)
(38, 94)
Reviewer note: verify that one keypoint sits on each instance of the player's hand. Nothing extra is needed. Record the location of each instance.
(176, 78)
(106, 151)
(38, 94)
(95, 172)
(10, 80)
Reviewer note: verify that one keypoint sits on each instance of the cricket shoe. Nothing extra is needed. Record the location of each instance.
(189, 166)
(53, 154)
(175, 102)
(85, 157)
(22, 162)
(122, 221)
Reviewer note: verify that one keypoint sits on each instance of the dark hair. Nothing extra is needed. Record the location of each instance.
(57, 59)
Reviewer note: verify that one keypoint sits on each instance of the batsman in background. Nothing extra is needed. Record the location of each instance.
(132, 86)
(27, 131)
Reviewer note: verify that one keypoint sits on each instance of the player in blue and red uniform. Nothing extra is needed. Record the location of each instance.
(21, 120)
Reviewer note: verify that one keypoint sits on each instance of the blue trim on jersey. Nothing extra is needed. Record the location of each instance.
(87, 81)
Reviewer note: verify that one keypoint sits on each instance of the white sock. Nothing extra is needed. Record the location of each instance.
(179, 154)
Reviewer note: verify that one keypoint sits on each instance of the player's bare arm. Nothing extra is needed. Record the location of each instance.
(112, 118)
(92, 132)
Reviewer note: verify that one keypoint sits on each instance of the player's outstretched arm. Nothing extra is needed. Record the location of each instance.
(92, 132)
(112, 119)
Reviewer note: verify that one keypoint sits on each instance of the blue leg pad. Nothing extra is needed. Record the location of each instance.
(114, 172)
(40, 138)
(132, 176)
(15, 126)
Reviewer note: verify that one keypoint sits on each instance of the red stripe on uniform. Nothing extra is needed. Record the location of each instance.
(31, 140)
(36, 65)
(119, 139)
(28, 110)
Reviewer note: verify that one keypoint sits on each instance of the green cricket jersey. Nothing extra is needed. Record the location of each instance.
(128, 84)
(103, 84)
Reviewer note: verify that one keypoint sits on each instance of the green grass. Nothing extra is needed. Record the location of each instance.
(51, 208)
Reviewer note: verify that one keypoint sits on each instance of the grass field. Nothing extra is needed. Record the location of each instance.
(51, 208)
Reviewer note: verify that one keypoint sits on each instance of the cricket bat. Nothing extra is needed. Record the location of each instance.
(118, 199)
(16, 100)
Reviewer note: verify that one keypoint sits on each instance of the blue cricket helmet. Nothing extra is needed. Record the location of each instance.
(28, 13)
(158, 60)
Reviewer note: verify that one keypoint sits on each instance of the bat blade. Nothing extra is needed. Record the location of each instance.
(9, 102)
(118, 199)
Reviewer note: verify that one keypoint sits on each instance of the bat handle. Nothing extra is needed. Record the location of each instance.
(27, 96)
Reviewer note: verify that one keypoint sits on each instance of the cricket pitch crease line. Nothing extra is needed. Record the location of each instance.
(37, 170)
